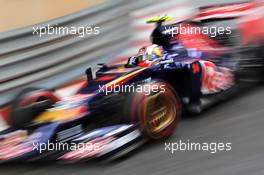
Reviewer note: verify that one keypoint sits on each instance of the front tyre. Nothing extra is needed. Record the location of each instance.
(158, 111)
(28, 104)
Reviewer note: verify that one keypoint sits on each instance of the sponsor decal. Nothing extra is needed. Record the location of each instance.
(215, 78)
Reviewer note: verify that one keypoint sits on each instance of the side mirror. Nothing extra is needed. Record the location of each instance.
(101, 64)
(89, 74)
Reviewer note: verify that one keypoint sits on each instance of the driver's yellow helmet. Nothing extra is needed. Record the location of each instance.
(150, 53)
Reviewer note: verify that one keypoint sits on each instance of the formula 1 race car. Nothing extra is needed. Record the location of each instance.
(123, 105)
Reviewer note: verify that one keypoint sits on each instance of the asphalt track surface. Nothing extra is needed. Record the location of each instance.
(239, 120)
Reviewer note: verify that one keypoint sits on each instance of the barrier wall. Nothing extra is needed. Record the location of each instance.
(53, 60)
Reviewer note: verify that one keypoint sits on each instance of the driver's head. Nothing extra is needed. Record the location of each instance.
(150, 53)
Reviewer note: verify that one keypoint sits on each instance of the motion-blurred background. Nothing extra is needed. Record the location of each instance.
(52, 61)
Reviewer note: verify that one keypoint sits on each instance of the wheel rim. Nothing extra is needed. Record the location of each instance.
(160, 113)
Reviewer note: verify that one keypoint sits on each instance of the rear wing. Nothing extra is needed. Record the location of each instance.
(225, 11)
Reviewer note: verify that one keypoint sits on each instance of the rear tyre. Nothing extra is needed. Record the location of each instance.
(251, 64)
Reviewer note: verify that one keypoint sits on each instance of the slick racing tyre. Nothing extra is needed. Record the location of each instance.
(28, 104)
(158, 111)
